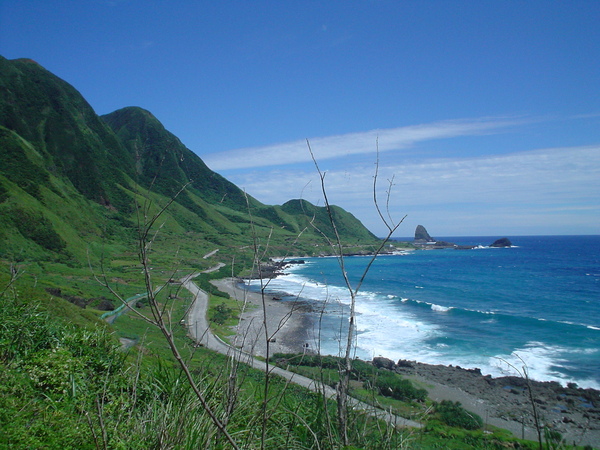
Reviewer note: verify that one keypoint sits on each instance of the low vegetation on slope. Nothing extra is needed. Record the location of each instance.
(67, 382)
(77, 193)
(72, 183)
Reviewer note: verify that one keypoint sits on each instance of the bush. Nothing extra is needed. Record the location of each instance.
(55, 371)
(392, 385)
(362, 370)
(454, 415)
(221, 313)
(24, 329)
(299, 359)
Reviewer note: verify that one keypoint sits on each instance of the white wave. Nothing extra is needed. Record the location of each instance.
(489, 321)
(433, 306)
(440, 308)
(585, 351)
(566, 322)
(539, 361)
(386, 327)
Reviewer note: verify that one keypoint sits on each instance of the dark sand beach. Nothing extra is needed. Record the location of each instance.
(503, 402)
(289, 325)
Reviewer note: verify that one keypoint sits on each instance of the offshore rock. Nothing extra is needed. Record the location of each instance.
(504, 242)
(421, 235)
(424, 240)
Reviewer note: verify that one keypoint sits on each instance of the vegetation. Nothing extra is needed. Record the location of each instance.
(454, 415)
(390, 385)
(380, 382)
(88, 203)
(71, 182)
(82, 390)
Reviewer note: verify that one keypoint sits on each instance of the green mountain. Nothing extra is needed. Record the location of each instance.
(76, 189)
(74, 186)
(165, 164)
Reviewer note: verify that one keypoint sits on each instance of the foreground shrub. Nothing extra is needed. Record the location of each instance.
(454, 415)
(392, 385)
(24, 329)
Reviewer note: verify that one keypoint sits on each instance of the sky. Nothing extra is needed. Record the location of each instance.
(474, 117)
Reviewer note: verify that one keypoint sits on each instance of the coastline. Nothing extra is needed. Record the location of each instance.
(502, 402)
(289, 325)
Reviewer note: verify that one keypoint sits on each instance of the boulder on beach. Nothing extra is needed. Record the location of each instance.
(383, 363)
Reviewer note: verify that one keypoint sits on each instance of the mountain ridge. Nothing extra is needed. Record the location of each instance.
(74, 180)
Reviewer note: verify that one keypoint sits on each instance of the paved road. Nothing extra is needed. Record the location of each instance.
(111, 316)
(200, 332)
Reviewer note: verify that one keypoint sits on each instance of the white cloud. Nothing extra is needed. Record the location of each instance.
(351, 144)
(549, 187)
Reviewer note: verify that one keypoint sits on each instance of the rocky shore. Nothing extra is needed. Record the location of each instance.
(506, 401)
(503, 402)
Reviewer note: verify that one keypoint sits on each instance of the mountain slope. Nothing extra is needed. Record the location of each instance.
(73, 184)
(161, 160)
(348, 226)
(69, 137)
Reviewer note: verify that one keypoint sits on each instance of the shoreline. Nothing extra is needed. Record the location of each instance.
(288, 324)
(502, 402)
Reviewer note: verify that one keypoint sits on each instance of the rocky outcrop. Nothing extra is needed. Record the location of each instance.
(504, 242)
(570, 410)
(424, 240)
(383, 363)
(422, 236)
(273, 268)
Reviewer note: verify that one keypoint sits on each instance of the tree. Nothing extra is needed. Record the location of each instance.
(353, 289)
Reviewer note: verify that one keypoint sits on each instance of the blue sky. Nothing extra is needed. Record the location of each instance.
(486, 113)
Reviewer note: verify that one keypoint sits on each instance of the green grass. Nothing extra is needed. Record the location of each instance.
(162, 400)
(407, 410)
(72, 189)
(358, 385)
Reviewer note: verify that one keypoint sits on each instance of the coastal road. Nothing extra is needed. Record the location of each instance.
(200, 332)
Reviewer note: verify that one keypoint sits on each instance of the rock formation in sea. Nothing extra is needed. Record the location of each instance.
(422, 236)
(504, 242)
(423, 239)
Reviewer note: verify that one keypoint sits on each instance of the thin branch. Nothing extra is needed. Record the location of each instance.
(343, 385)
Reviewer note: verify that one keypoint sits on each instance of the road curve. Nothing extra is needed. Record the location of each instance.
(200, 333)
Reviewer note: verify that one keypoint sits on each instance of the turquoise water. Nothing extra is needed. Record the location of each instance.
(490, 308)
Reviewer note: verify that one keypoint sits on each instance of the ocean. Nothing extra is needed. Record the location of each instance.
(534, 305)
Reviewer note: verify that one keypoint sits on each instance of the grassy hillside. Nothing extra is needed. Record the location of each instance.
(73, 184)
(77, 195)
(66, 382)
(69, 138)
(165, 164)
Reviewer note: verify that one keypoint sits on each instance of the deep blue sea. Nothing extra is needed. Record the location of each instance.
(538, 301)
